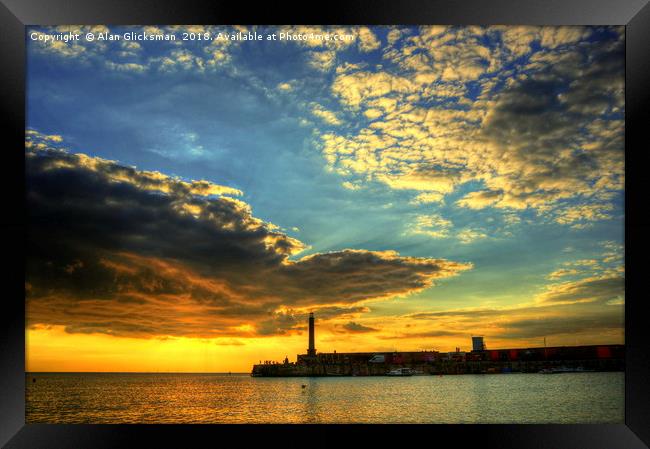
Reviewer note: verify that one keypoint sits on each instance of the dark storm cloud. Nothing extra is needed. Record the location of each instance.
(116, 250)
(349, 276)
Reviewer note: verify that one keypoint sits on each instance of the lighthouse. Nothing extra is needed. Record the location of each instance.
(311, 351)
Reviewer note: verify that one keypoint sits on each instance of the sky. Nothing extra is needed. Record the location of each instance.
(191, 201)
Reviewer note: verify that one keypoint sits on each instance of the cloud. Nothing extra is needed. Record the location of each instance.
(350, 186)
(356, 328)
(432, 225)
(126, 67)
(556, 36)
(145, 180)
(587, 212)
(614, 252)
(590, 306)
(428, 197)
(325, 43)
(367, 40)
(32, 135)
(480, 199)
(541, 148)
(531, 121)
(350, 276)
(358, 87)
(132, 57)
(327, 116)
(462, 313)
(562, 272)
(467, 236)
(573, 325)
(591, 289)
(420, 335)
(117, 250)
(286, 87)
(394, 35)
(455, 53)
(517, 40)
(582, 263)
(436, 226)
(187, 60)
(323, 60)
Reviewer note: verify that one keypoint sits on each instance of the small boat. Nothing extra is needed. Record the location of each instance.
(401, 372)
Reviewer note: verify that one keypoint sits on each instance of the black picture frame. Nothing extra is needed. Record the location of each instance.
(16, 14)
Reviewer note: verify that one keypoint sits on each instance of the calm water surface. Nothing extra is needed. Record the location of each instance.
(239, 398)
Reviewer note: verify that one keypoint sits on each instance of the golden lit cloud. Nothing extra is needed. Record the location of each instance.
(432, 225)
(367, 39)
(327, 116)
(480, 199)
(588, 212)
(518, 142)
(470, 235)
(285, 87)
(562, 272)
(591, 289)
(323, 60)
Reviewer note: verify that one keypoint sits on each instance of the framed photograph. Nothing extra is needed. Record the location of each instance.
(377, 213)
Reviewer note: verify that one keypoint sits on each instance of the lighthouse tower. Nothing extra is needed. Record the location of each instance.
(311, 351)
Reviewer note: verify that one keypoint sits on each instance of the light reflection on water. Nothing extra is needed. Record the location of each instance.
(223, 398)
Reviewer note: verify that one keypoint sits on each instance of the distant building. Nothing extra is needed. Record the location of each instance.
(477, 344)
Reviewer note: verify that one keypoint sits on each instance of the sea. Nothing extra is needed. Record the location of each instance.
(117, 398)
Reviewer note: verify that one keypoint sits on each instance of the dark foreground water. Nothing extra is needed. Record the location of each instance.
(223, 398)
